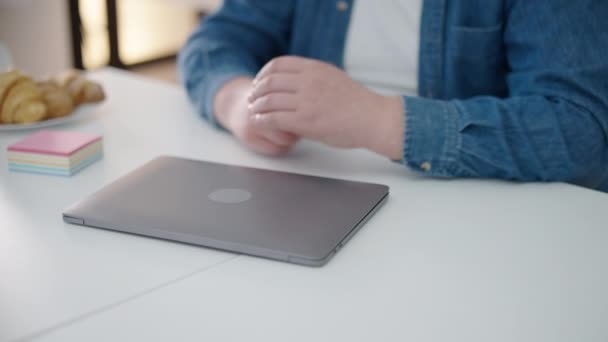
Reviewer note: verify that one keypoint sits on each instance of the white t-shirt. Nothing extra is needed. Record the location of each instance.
(382, 45)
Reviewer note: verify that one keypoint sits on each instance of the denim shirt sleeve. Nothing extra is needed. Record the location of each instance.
(553, 125)
(236, 41)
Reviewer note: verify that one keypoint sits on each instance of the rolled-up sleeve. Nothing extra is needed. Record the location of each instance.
(432, 141)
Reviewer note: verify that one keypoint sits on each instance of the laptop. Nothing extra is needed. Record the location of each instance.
(277, 215)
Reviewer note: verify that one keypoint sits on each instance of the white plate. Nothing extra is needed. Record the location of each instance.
(79, 112)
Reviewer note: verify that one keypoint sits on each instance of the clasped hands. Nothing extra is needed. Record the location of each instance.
(295, 97)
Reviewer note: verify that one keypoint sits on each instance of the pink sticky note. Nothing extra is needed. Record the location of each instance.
(58, 143)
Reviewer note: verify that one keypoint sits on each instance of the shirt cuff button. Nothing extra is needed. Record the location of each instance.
(342, 5)
(426, 166)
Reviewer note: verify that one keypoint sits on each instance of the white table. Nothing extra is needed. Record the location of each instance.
(462, 260)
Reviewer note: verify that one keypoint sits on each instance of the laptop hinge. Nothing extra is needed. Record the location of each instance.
(73, 220)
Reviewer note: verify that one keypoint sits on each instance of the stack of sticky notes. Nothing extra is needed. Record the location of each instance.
(56, 153)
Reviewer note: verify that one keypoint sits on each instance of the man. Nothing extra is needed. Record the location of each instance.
(510, 89)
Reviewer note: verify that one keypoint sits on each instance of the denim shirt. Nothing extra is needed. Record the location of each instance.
(509, 89)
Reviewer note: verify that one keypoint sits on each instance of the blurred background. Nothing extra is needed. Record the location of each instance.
(144, 36)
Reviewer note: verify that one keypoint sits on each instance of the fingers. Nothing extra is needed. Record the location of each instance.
(285, 65)
(267, 147)
(274, 102)
(279, 121)
(267, 129)
(253, 138)
(274, 91)
(260, 136)
(281, 139)
(275, 83)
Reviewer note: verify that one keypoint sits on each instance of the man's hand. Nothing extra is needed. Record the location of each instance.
(316, 100)
(231, 111)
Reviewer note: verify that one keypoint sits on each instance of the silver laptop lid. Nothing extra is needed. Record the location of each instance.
(278, 215)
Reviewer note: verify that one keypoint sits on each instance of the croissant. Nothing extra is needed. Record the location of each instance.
(24, 101)
(58, 101)
(80, 89)
(7, 80)
(20, 99)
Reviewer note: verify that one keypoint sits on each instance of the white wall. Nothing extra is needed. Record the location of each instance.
(38, 34)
